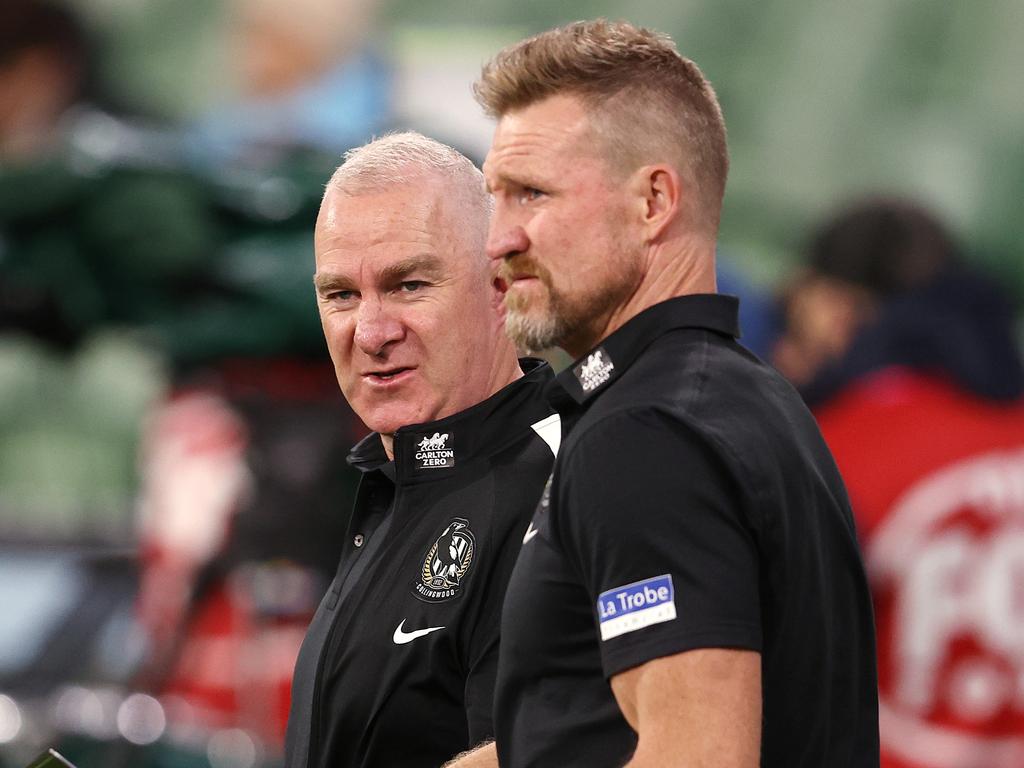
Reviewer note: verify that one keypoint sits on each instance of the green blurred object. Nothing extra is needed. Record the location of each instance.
(85, 245)
(51, 759)
(120, 270)
(70, 430)
(164, 753)
(206, 266)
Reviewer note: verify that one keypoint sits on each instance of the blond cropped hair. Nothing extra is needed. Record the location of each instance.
(647, 103)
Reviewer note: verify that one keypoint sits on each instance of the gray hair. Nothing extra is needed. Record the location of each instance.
(399, 158)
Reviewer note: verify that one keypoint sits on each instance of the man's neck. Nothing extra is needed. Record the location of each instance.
(670, 270)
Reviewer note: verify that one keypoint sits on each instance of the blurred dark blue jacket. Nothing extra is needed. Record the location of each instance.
(958, 326)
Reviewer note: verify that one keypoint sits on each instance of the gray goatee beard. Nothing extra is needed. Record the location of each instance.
(533, 334)
(558, 321)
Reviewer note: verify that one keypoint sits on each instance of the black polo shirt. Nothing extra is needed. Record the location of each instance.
(693, 505)
(397, 668)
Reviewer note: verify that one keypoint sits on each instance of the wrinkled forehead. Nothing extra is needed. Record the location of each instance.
(416, 220)
(396, 215)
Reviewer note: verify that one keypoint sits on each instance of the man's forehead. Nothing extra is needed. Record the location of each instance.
(380, 209)
(529, 135)
(399, 219)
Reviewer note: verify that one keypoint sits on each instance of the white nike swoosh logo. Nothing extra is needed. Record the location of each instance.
(401, 638)
(530, 533)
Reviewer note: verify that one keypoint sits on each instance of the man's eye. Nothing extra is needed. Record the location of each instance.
(411, 286)
(342, 296)
(529, 194)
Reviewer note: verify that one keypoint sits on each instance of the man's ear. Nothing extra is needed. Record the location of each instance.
(657, 191)
(497, 289)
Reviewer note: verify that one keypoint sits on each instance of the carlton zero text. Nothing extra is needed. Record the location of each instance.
(435, 458)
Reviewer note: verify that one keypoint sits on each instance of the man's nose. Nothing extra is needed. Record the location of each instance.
(376, 328)
(505, 241)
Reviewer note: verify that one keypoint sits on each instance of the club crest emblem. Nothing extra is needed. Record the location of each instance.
(446, 564)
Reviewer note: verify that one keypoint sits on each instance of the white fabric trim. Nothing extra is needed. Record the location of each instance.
(550, 431)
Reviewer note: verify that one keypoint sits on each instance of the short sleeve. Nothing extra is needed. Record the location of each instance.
(652, 517)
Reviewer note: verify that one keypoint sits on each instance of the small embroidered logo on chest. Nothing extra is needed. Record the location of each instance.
(435, 451)
(594, 371)
(446, 564)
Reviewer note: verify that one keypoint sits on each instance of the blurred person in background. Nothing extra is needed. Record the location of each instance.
(908, 359)
(398, 667)
(83, 192)
(45, 60)
(52, 99)
(305, 76)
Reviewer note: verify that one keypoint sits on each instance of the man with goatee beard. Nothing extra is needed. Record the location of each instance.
(690, 591)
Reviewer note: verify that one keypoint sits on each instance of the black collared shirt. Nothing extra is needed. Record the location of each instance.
(693, 505)
(397, 668)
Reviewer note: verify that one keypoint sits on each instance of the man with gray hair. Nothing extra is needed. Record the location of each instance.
(398, 666)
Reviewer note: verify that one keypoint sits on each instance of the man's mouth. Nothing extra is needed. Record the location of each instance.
(505, 281)
(390, 374)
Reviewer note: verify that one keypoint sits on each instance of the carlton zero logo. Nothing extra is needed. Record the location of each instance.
(594, 371)
(446, 564)
(435, 451)
(635, 606)
(947, 565)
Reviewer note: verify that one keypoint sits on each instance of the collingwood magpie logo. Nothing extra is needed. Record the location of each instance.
(434, 451)
(446, 563)
(594, 371)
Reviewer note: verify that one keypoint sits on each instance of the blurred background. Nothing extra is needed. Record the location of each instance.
(172, 441)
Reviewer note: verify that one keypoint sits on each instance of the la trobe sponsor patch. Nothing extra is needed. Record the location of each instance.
(635, 606)
(446, 564)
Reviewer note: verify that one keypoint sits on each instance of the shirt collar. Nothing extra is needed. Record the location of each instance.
(596, 370)
(433, 449)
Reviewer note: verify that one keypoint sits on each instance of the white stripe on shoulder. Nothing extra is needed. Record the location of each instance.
(550, 431)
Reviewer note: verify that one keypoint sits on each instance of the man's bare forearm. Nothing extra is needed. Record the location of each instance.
(482, 756)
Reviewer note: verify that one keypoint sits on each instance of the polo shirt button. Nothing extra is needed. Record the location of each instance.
(358, 540)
